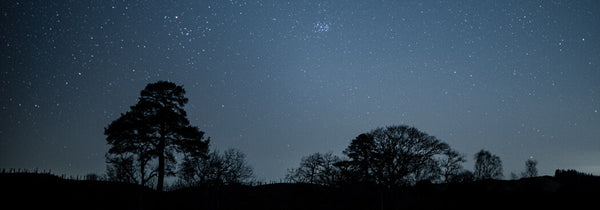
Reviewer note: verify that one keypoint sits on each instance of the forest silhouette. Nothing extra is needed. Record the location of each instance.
(393, 167)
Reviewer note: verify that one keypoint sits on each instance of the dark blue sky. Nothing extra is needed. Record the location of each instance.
(283, 79)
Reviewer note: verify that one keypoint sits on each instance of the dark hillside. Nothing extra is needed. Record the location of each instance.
(30, 191)
(26, 190)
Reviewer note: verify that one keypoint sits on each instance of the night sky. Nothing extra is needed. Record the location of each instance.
(280, 80)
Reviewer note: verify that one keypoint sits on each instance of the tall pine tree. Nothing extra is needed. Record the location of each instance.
(156, 128)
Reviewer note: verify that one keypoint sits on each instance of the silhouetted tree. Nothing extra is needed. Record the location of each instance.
(121, 168)
(155, 129)
(396, 155)
(316, 168)
(530, 169)
(361, 152)
(131, 151)
(487, 166)
(236, 167)
(230, 167)
(198, 169)
(451, 164)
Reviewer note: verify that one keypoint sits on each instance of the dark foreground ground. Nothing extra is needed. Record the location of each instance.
(44, 191)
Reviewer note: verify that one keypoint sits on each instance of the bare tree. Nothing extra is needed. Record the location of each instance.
(308, 171)
(230, 167)
(236, 167)
(530, 168)
(451, 164)
(316, 168)
(121, 168)
(487, 166)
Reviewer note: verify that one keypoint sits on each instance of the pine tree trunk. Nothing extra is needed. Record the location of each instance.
(161, 164)
(143, 181)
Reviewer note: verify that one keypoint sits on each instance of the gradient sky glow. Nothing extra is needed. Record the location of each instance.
(283, 79)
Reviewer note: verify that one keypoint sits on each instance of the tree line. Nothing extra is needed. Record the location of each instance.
(398, 156)
(147, 141)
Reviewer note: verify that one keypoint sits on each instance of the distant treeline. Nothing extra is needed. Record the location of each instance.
(559, 173)
(154, 140)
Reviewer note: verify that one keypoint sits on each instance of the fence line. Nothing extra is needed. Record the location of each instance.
(253, 183)
(42, 172)
(25, 171)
